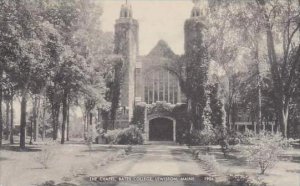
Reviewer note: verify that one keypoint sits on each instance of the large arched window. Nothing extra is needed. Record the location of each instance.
(160, 85)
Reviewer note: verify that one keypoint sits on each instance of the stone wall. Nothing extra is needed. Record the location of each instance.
(126, 44)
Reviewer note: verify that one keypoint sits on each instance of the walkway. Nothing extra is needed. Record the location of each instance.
(151, 161)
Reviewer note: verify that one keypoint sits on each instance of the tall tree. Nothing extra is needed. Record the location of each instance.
(281, 29)
(27, 70)
(1, 119)
(9, 45)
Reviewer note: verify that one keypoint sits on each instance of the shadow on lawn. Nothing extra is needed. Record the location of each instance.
(290, 158)
(52, 183)
(104, 148)
(3, 159)
(294, 171)
(296, 159)
(177, 155)
(16, 148)
(231, 158)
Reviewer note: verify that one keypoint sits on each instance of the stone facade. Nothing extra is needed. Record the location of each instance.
(126, 44)
(146, 80)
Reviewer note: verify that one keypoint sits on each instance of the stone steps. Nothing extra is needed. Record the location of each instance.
(160, 143)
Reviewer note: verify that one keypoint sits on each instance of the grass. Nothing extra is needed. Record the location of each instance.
(286, 172)
(67, 157)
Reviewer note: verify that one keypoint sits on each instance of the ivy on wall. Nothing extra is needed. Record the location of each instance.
(160, 107)
(112, 95)
(138, 117)
(116, 88)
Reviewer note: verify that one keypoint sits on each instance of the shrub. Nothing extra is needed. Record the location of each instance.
(222, 137)
(239, 180)
(233, 137)
(48, 183)
(76, 172)
(111, 135)
(242, 180)
(264, 150)
(45, 156)
(131, 135)
(210, 162)
(128, 150)
(204, 137)
(246, 136)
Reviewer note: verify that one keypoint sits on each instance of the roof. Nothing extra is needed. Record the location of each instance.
(162, 49)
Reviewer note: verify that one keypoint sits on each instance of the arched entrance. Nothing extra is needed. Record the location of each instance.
(161, 129)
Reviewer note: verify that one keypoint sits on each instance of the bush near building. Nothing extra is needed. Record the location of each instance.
(131, 136)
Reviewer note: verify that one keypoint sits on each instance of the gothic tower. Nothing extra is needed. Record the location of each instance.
(196, 63)
(194, 28)
(126, 45)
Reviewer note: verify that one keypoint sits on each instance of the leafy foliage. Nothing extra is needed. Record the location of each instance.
(111, 135)
(265, 150)
(131, 136)
(45, 156)
(160, 107)
(138, 118)
(204, 137)
(242, 180)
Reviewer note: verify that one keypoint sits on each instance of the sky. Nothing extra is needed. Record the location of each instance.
(158, 19)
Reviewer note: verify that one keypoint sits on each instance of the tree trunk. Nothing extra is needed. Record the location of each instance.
(256, 56)
(55, 119)
(35, 115)
(285, 117)
(1, 120)
(68, 121)
(65, 112)
(233, 115)
(105, 120)
(38, 117)
(31, 130)
(87, 125)
(99, 117)
(44, 119)
(228, 116)
(7, 119)
(90, 131)
(259, 120)
(277, 80)
(189, 112)
(91, 119)
(84, 125)
(11, 138)
(23, 120)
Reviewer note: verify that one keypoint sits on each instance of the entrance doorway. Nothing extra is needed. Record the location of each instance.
(161, 129)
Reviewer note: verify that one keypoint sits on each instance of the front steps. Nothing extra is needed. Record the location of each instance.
(160, 143)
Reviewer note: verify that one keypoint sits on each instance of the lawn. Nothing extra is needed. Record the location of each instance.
(68, 163)
(285, 172)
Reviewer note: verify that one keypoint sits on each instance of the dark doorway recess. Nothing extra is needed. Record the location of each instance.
(161, 129)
